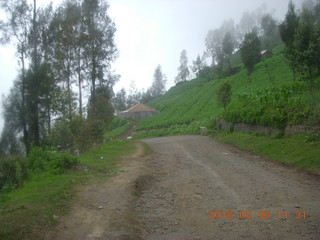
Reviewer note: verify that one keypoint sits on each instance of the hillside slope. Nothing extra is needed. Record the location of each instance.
(194, 102)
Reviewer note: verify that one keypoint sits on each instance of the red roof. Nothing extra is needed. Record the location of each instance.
(140, 108)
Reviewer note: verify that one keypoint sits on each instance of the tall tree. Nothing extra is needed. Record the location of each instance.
(101, 110)
(214, 46)
(247, 23)
(19, 16)
(198, 65)
(288, 30)
(219, 40)
(250, 50)
(183, 70)
(306, 43)
(133, 96)
(65, 28)
(99, 49)
(158, 86)
(317, 11)
(120, 100)
(228, 46)
(13, 121)
(269, 30)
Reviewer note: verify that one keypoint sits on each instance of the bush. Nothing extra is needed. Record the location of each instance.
(61, 136)
(224, 94)
(276, 107)
(78, 133)
(44, 160)
(13, 171)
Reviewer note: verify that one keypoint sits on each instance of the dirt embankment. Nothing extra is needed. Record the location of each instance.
(169, 195)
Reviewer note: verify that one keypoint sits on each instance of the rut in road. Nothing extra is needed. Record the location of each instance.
(167, 195)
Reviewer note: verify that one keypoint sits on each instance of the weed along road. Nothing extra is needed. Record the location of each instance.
(195, 188)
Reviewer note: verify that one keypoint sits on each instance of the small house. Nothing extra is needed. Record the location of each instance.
(138, 112)
(266, 54)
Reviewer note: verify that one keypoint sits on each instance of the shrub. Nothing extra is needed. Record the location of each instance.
(77, 133)
(224, 94)
(42, 159)
(13, 171)
(276, 107)
(61, 136)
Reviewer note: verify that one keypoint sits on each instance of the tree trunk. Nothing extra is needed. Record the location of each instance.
(49, 121)
(311, 83)
(80, 83)
(36, 123)
(36, 67)
(23, 105)
(69, 92)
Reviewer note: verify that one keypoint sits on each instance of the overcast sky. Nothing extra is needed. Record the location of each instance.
(153, 32)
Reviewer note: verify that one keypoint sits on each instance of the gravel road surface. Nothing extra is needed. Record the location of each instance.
(251, 198)
(195, 188)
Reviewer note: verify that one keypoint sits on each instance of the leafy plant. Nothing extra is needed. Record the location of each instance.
(224, 94)
(44, 160)
(13, 171)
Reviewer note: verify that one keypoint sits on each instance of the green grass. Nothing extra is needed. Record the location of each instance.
(110, 152)
(117, 127)
(117, 131)
(295, 151)
(189, 102)
(194, 102)
(174, 130)
(189, 105)
(31, 209)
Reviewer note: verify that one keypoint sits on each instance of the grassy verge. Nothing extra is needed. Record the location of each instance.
(300, 151)
(174, 130)
(28, 211)
(117, 127)
(117, 131)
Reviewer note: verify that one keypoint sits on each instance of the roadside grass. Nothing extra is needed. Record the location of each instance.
(117, 127)
(174, 130)
(26, 213)
(117, 131)
(301, 151)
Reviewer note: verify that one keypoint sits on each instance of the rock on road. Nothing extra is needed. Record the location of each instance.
(196, 174)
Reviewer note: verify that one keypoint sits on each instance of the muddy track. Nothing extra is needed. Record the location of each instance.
(169, 195)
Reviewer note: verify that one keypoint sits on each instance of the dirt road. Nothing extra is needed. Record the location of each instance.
(169, 195)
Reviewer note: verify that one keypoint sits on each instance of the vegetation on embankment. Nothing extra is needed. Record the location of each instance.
(117, 127)
(25, 213)
(301, 151)
(269, 99)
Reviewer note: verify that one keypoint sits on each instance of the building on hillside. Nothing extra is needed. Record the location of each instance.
(137, 112)
(266, 54)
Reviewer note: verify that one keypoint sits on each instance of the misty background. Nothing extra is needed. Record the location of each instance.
(153, 32)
